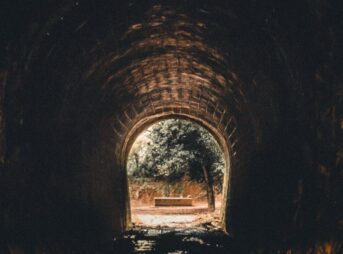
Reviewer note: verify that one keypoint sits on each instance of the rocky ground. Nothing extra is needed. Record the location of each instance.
(173, 240)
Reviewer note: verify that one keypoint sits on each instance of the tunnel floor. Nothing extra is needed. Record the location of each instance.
(173, 240)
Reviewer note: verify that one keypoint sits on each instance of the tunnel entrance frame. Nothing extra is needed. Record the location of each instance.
(223, 143)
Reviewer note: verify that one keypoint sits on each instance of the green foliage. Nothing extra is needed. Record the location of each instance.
(174, 148)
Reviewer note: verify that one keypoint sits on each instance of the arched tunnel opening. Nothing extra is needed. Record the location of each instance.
(80, 80)
(176, 171)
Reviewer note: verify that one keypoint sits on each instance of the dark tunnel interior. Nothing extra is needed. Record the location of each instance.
(80, 80)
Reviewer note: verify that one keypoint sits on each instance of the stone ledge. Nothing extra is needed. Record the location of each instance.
(172, 201)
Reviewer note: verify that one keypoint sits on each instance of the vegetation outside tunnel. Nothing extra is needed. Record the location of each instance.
(176, 149)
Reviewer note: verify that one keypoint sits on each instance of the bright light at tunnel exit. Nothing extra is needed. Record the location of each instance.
(175, 173)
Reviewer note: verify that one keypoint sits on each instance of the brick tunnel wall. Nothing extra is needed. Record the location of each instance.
(2, 146)
(264, 75)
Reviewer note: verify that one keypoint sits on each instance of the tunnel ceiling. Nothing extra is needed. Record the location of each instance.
(141, 59)
(169, 67)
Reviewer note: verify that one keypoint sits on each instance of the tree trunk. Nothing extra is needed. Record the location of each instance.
(209, 187)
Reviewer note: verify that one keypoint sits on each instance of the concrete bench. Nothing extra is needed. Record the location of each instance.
(172, 201)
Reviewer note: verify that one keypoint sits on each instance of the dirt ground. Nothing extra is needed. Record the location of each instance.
(174, 216)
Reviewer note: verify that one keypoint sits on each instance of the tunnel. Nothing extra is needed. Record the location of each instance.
(80, 80)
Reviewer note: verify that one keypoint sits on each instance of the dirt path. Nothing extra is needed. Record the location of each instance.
(193, 216)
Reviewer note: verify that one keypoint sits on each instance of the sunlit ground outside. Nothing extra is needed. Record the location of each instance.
(197, 215)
